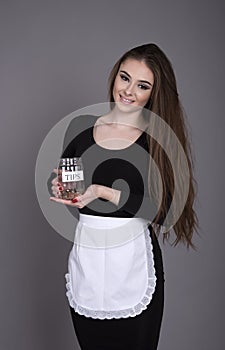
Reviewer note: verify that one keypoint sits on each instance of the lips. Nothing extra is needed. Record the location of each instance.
(125, 100)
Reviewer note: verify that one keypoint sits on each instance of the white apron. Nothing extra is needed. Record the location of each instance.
(111, 270)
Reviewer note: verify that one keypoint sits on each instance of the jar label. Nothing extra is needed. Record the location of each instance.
(70, 176)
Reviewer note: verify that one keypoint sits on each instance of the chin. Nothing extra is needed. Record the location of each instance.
(127, 107)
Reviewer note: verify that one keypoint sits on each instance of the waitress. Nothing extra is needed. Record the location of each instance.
(115, 279)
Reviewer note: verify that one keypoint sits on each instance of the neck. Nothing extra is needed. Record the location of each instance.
(133, 119)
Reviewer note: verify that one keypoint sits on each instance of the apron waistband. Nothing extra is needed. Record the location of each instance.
(107, 232)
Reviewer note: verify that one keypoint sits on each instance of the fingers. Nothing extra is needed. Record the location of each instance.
(58, 200)
(62, 201)
(77, 204)
(56, 181)
(80, 201)
(57, 171)
(56, 186)
(56, 189)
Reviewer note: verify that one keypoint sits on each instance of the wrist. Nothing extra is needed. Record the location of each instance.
(108, 193)
(101, 191)
(97, 190)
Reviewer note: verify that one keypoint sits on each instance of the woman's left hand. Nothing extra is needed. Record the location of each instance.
(82, 200)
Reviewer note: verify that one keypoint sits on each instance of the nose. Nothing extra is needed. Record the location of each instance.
(129, 90)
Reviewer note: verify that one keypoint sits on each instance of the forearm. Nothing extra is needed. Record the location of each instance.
(108, 193)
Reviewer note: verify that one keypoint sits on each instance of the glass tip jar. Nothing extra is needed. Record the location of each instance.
(71, 177)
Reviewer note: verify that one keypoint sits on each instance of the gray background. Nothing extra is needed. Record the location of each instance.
(55, 58)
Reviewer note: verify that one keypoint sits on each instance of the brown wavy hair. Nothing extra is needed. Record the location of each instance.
(164, 102)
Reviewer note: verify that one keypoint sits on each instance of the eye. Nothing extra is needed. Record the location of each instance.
(143, 87)
(124, 77)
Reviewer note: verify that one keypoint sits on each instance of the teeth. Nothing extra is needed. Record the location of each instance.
(126, 100)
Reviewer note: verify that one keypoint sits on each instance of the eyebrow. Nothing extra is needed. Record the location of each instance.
(142, 81)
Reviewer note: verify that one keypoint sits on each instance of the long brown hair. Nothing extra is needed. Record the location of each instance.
(164, 102)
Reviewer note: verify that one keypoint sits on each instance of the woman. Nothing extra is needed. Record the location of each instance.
(116, 289)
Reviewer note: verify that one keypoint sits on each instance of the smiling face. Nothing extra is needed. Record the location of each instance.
(133, 84)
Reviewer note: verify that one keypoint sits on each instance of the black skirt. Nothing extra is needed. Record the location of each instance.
(134, 333)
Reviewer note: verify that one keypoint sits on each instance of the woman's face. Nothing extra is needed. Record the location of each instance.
(133, 84)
